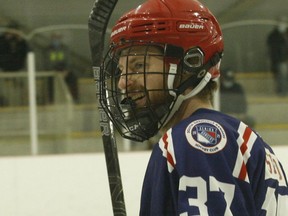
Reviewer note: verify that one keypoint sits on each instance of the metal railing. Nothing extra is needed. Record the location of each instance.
(54, 108)
(14, 88)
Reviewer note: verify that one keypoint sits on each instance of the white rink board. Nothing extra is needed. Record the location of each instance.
(72, 185)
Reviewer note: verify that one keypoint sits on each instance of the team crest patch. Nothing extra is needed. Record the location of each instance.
(206, 135)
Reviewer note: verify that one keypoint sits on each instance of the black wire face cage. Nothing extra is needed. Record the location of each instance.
(133, 88)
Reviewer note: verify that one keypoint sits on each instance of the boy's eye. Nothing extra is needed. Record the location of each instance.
(139, 66)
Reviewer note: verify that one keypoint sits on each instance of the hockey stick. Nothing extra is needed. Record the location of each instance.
(97, 25)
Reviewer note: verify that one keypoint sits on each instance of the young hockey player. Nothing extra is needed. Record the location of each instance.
(159, 76)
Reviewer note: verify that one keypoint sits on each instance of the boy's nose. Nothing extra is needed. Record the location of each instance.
(124, 81)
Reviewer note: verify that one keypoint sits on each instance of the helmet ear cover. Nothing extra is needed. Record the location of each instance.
(194, 58)
(198, 72)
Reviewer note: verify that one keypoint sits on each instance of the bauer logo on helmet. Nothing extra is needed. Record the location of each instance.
(119, 30)
(190, 26)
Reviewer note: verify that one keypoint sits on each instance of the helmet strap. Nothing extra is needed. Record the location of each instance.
(170, 82)
(178, 94)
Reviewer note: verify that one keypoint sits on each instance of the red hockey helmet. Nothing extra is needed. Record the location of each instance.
(184, 23)
(191, 46)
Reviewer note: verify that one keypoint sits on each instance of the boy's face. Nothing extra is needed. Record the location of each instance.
(142, 76)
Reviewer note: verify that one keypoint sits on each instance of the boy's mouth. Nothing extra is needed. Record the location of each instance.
(132, 100)
(136, 97)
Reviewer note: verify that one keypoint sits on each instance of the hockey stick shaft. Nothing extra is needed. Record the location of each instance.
(98, 22)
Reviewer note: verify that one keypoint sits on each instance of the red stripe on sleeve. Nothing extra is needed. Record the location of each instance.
(246, 136)
(243, 172)
(169, 156)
